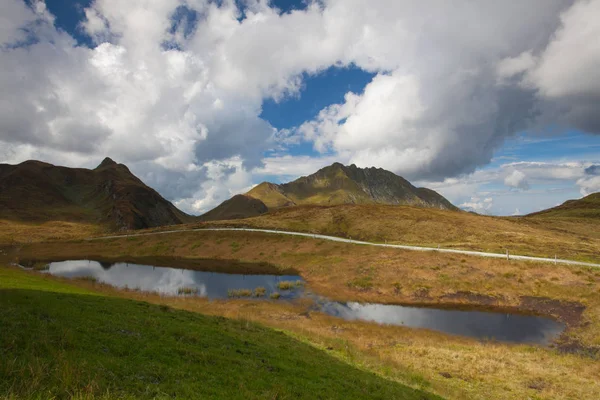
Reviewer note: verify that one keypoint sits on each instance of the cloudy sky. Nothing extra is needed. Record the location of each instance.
(495, 104)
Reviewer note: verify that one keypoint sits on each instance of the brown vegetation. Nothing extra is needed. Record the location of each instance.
(577, 239)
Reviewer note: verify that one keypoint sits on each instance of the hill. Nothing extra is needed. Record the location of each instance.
(109, 195)
(587, 207)
(239, 206)
(338, 184)
(114, 348)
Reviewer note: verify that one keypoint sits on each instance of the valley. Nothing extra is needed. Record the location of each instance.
(362, 306)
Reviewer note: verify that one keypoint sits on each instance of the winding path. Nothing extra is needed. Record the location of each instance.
(394, 246)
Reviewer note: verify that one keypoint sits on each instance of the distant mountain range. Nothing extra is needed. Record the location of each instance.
(112, 196)
(333, 185)
(109, 194)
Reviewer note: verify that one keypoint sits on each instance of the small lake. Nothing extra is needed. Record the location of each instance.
(482, 325)
(503, 327)
(174, 281)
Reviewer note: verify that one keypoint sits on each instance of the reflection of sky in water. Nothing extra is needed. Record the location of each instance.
(477, 324)
(481, 325)
(168, 280)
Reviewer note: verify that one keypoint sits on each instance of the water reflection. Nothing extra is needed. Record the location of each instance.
(482, 325)
(171, 280)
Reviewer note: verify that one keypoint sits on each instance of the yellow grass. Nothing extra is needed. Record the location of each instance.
(23, 232)
(454, 367)
(577, 239)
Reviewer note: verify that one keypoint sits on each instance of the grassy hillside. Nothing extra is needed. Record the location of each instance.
(587, 207)
(339, 184)
(577, 239)
(59, 341)
(110, 195)
(239, 206)
(455, 367)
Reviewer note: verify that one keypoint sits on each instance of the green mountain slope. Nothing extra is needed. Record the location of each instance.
(587, 207)
(109, 194)
(338, 184)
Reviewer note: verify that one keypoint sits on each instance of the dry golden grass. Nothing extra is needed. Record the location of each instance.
(363, 273)
(454, 367)
(568, 238)
(23, 232)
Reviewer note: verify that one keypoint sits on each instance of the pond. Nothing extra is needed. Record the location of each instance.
(174, 281)
(483, 325)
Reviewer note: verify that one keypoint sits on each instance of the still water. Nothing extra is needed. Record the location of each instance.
(171, 281)
(477, 324)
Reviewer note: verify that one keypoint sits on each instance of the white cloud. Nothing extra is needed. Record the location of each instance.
(589, 185)
(517, 179)
(174, 101)
(478, 205)
(511, 66)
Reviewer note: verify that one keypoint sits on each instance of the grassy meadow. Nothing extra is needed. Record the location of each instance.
(449, 366)
(569, 238)
(453, 367)
(61, 341)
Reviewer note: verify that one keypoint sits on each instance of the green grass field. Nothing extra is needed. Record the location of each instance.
(58, 341)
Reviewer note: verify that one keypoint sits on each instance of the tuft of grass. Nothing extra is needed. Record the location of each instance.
(239, 293)
(361, 283)
(187, 290)
(275, 295)
(289, 285)
(260, 291)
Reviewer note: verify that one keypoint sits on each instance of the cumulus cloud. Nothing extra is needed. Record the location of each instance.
(480, 206)
(517, 180)
(568, 71)
(180, 98)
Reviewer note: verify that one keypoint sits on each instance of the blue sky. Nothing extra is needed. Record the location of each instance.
(204, 100)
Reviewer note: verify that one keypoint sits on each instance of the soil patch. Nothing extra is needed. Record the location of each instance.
(471, 297)
(569, 312)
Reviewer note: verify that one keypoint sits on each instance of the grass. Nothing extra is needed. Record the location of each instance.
(61, 341)
(275, 295)
(187, 291)
(259, 292)
(13, 232)
(534, 236)
(477, 370)
(289, 285)
(239, 293)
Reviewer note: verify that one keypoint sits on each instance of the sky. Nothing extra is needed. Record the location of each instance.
(496, 105)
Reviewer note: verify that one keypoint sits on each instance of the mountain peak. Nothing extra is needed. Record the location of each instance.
(107, 162)
(339, 184)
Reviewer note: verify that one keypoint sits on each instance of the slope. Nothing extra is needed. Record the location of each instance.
(338, 184)
(110, 194)
(239, 206)
(61, 342)
(587, 207)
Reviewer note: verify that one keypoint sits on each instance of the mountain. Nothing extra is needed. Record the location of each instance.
(587, 207)
(239, 206)
(338, 184)
(109, 194)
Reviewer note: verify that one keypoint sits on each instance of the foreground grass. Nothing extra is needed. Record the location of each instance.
(453, 367)
(61, 341)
